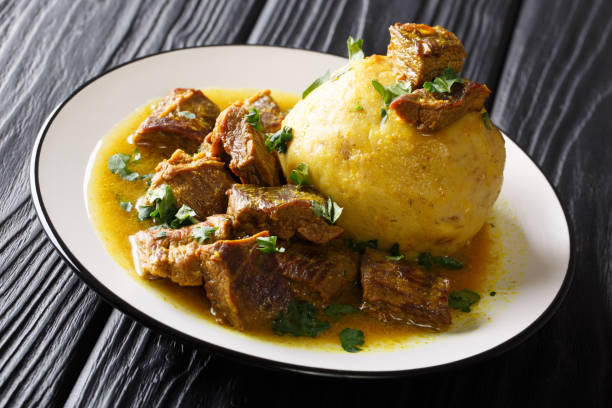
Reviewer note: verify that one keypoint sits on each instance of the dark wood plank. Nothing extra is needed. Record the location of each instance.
(49, 320)
(132, 365)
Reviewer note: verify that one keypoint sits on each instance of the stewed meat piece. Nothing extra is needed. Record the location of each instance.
(431, 111)
(200, 182)
(242, 283)
(285, 211)
(249, 159)
(180, 121)
(270, 114)
(420, 52)
(319, 274)
(398, 291)
(175, 253)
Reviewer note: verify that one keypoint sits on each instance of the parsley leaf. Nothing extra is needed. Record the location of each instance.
(360, 246)
(187, 115)
(395, 253)
(267, 245)
(317, 82)
(355, 52)
(185, 215)
(202, 233)
(278, 141)
(118, 162)
(300, 319)
(126, 205)
(357, 107)
(330, 210)
(254, 120)
(444, 82)
(463, 299)
(165, 205)
(144, 211)
(426, 260)
(390, 93)
(300, 175)
(486, 120)
(383, 115)
(337, 310)
(350, 339)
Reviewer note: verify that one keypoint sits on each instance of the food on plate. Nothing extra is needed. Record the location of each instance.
(357, 212)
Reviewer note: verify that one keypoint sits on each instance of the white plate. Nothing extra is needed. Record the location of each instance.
(539, 272)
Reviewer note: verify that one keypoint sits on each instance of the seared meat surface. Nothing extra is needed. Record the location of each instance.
(398, 291)
(431, 111)
(318, 274)
(236, 138)
(242, 283)
(180, 121)
(199, 182)
(174, 253)
(285, 211)
(270, 113)
(420, 52)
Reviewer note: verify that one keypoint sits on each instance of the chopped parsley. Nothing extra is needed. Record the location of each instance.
(493, 293)
(118, 164)
(278, 141)
(390, 93)
(444, 82)
(161, 234)
(254, 119)
(187, 115)
(486, 120)
(426, 260)
(383, 115)
(317, 82)
(300, 175)
(358, 107)
(267, 245)
(126, 205)
(164, 209)
(337, 310)
(300, 319)
(202, 233)
(355, 51)
(184, 216)
(463, 299)
(329, 210)
(360, 246)
(350, 339)
(395, 253)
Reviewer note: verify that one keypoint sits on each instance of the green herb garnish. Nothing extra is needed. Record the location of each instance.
(278, 141)
(300, 319)
(383, 115)
(493, 293)
(118, 162)
(300, 175)
(203, 234)
(463, 299)
(329, 210)
(355, 52)
(426, 260)
(395, 253)
(267, 245)
(187, 115)
(144, 211)
(390, 93)
(126, 205)
(317, 82)
(444, 82)
(486, 120)
(161, 234)
(360, 246)
(184, 216)
(254, 119)
(337, 310)
(350, 339)
(357, 107)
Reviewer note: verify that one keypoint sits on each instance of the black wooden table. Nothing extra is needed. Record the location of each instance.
(549, 64)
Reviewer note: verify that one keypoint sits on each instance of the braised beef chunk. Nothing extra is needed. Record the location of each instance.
(236, 138)
(180, 121)
(420, 52)
(429, 111)
(175, 253)
(242, 283)
(199, 182)
(398, 291)
(285, 211)
(270, 113)
(318, 274)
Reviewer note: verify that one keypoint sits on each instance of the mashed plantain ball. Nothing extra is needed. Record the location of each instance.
(427, 192)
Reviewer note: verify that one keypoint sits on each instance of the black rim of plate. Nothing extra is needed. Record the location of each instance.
(154, 324)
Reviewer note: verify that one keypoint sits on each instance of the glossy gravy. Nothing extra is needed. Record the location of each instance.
(115, 225)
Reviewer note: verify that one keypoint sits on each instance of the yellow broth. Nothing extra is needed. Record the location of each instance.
(115, 225)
